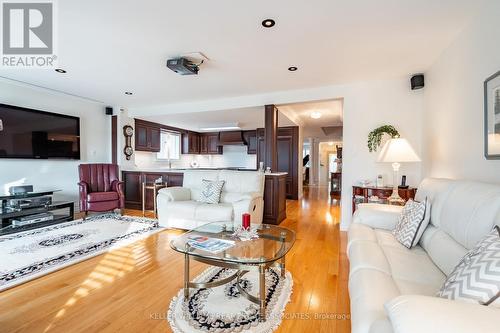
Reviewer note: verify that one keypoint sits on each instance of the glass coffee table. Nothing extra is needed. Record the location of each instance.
(268, 250)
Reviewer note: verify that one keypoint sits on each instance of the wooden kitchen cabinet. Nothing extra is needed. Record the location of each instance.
(274, 199)
(250, 138)
(190, 143)
(133, 186)
(132, 189)
(209, 144)
(147, 136)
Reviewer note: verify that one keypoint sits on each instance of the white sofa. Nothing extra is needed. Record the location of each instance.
(242, 193)
(392, 288)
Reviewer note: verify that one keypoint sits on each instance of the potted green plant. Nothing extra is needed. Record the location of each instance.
(375, 136)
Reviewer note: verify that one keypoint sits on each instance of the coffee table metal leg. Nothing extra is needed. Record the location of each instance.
(154, 201)
(143, 199)
(186, 276)
(282, 267)
(262, 292)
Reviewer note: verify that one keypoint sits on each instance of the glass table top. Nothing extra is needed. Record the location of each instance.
(272, 244)
(35, 193)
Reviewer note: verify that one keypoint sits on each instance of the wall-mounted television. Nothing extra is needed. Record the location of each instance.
(28, 133)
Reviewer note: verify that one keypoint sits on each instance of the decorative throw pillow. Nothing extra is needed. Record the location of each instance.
(410, 223)
(476, 279)
(211, 191)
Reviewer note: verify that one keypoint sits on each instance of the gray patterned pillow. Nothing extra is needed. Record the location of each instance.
(410, 222)
(476, 279)
(211, 191)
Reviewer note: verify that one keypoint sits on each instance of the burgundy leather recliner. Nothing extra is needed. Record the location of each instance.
(100, 188)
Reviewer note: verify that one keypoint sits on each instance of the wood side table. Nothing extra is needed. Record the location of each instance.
(361, 194)
(155, 187)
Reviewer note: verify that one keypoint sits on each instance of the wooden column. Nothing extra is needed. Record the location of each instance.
(271, 134)
(114, 139)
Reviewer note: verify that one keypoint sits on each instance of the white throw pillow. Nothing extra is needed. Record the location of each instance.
(211, 191)
(476, 278)
(410, 225)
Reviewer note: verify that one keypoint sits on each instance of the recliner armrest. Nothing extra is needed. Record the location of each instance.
(117, 187)
(83, 186)
(417, 313)
(175, 193)
(249, 196)
(83, 189)
(377, 216)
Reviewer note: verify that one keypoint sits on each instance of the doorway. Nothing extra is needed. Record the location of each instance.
(321, 128)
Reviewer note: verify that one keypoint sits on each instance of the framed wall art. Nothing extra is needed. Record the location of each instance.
(492, 117)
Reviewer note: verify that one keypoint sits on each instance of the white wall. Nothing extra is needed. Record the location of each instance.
(454, 102)
(95, 140)
(367, 106)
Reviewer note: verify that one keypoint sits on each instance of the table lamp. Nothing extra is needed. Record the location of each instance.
(396, 151)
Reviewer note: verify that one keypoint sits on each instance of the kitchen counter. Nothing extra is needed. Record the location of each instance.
(181, 170)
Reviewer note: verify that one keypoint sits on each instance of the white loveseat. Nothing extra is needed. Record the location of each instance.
(242, 193)
(392, 288)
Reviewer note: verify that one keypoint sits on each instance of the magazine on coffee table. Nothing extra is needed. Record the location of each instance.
(213, 245)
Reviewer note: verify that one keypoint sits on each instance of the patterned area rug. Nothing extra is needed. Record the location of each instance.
(224, 309)
(30, 254)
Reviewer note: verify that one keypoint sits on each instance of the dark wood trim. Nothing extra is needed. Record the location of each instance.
(291, 135)
(114, 139)
(161, 126)
(271, 133)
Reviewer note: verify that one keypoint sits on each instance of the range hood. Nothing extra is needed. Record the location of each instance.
(231, 138)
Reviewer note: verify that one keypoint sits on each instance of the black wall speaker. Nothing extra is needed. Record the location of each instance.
(417, 81)
(109, 110)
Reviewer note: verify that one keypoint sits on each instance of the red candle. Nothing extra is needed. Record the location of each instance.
(245, 221)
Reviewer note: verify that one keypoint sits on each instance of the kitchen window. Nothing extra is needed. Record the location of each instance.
(170, 148)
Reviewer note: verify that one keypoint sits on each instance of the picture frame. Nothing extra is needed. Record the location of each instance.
(492, 117)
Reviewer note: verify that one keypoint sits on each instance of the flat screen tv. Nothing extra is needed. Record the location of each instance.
(28, 133)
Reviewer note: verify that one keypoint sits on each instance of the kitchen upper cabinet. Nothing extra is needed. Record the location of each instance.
(209, 144)
(147, 136)
(190, 143)
(212, 143)
(250, 138)
(155, 141)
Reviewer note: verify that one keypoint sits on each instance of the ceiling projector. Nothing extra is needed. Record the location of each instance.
(183, 66)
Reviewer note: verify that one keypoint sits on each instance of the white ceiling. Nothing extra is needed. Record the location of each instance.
(113, 46)
(331, 113)
(247, 118)
(331, 116)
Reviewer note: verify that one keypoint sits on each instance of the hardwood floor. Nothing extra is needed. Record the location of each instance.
(130, 289)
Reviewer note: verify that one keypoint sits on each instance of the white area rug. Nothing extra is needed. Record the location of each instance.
(223, 309)
(30, 254)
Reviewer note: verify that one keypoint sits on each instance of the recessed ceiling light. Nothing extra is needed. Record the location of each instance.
(292, 69)
(59, 70)
(268, 23)
(128, 93)
(315, 115)
(330, 143)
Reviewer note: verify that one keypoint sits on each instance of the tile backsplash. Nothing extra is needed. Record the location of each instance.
(233, 157)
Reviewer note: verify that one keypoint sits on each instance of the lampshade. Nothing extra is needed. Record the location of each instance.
(397, 150)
